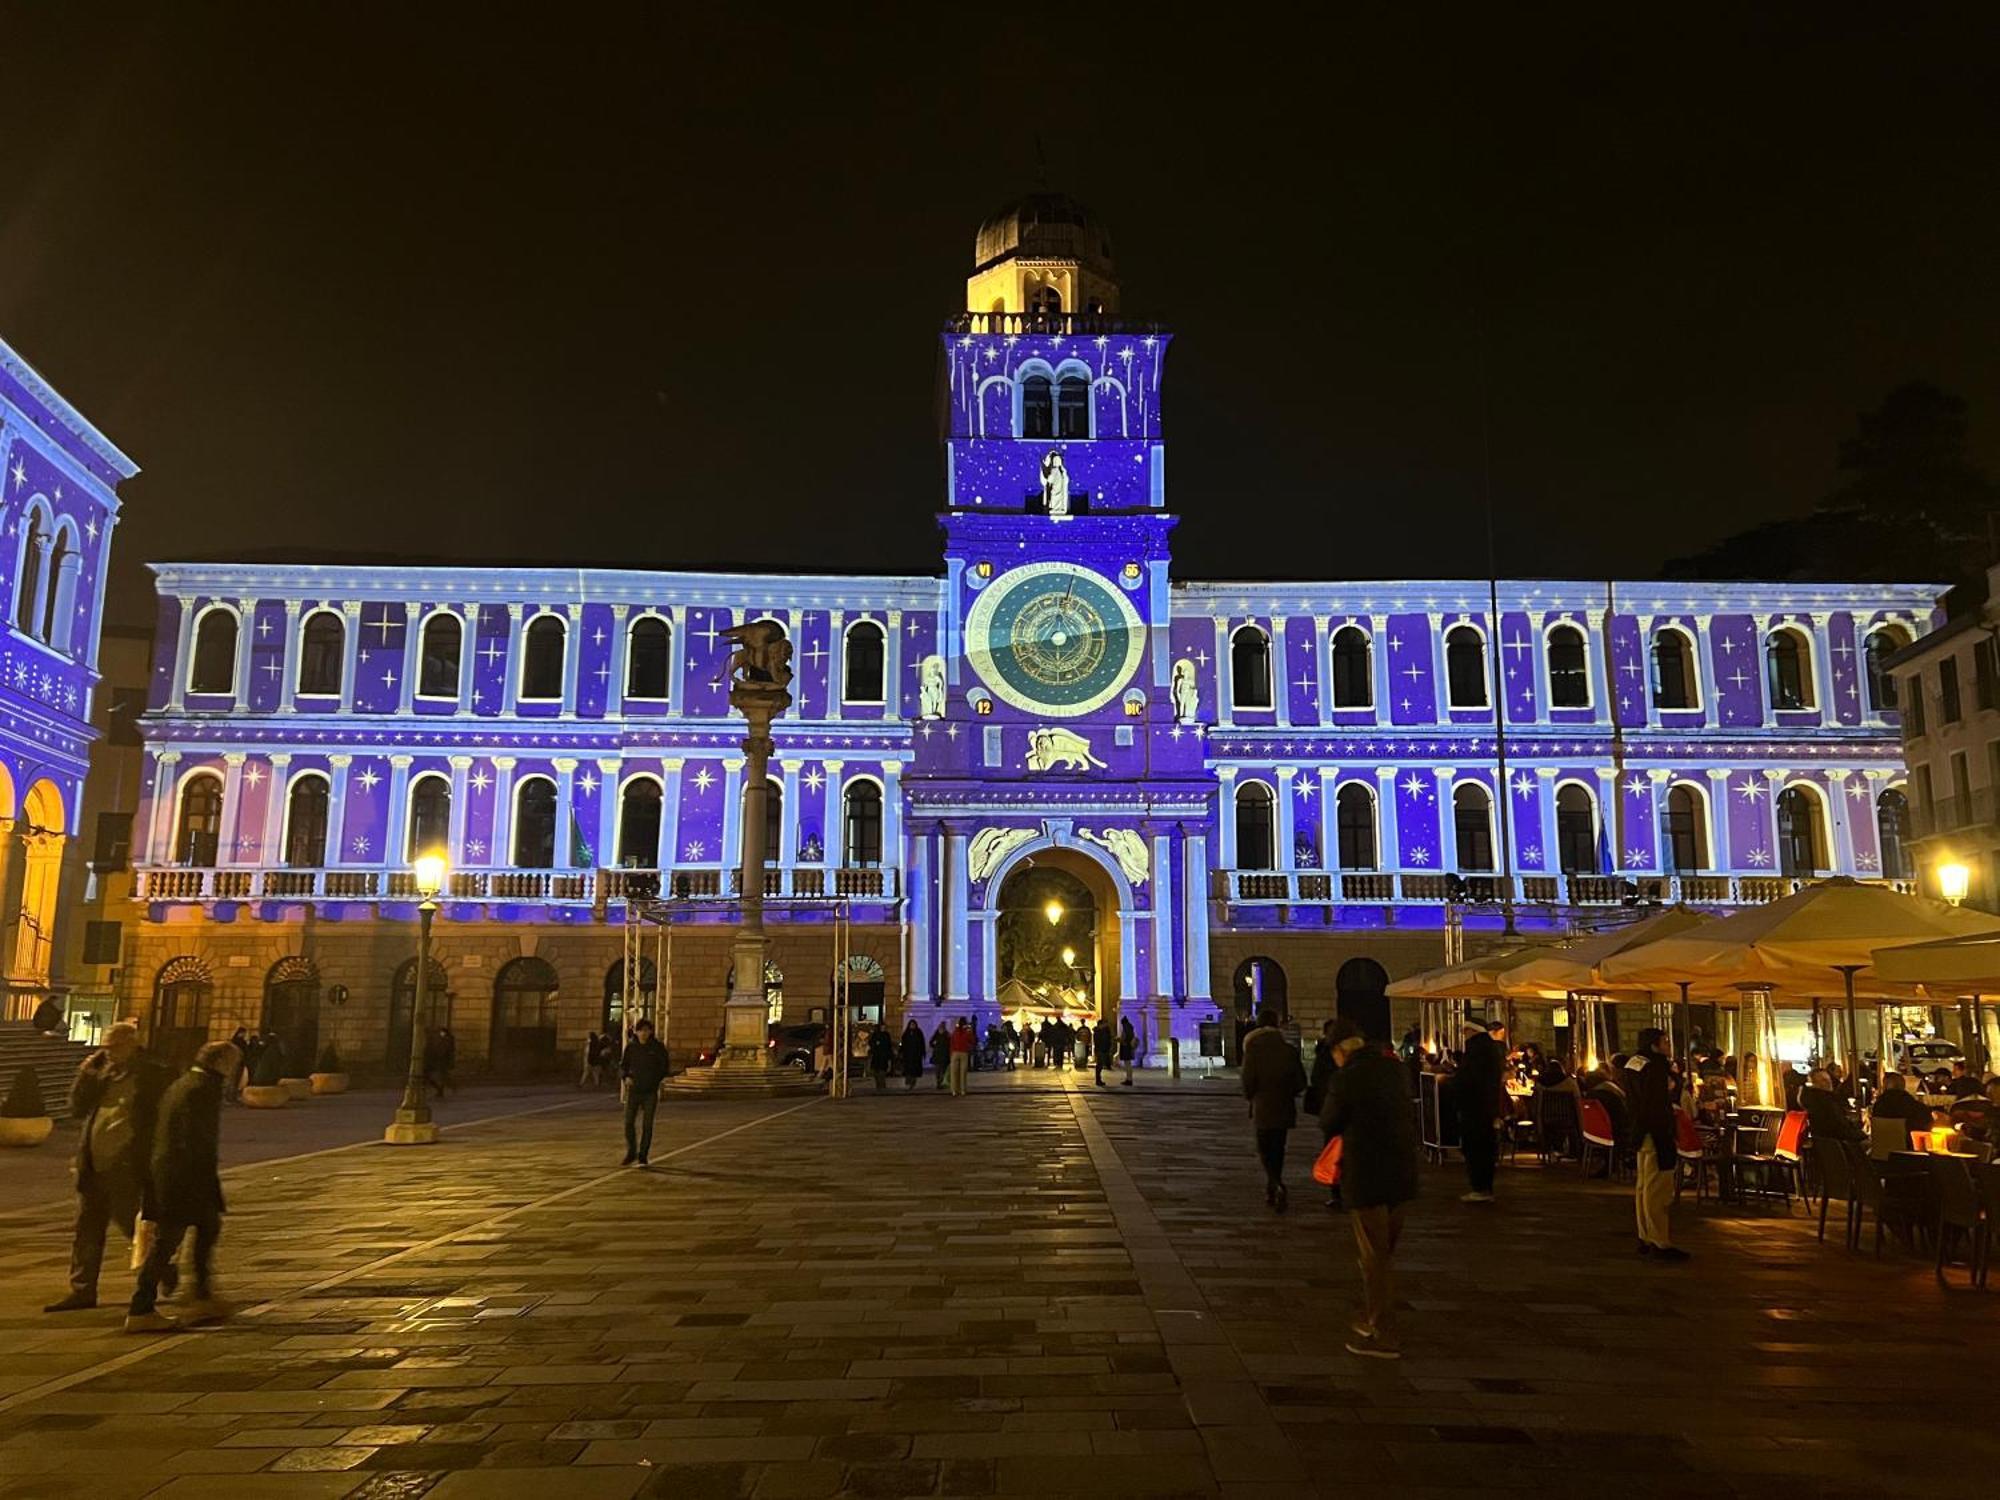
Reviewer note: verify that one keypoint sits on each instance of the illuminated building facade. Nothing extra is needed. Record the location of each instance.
(1256, 789)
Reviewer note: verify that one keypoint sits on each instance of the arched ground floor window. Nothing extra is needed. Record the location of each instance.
(524, 1017)
(183, 992)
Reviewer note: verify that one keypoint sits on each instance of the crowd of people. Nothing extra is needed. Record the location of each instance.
(953, 1051)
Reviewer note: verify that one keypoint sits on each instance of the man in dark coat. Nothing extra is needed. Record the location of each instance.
(1649, 1091)
(941, 1054)
(1273, 1075)
(184, 1189)
(644, 1068)
(116, 1099)
(1477, 1087)
(1103, 1042)
(1895, 1102)
(1368, 1107)
(912, 1047)
(1827, 1115)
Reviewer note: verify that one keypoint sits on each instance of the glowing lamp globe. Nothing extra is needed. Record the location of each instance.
(430, 874)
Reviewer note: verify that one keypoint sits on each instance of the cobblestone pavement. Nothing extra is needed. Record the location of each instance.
(1029, 1291)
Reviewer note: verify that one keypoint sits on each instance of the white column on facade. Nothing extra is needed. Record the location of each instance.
(836, 664)
(272, 851)
(288, 684)
(103, 565)
(670, 814)
(1774, 777)
(788, 819)
(610, 792)
(1329, 819)
(1447, 820)
(732, 812)
(677, 662)
(1842, 852)
(892, 666)
(1385, 817)
(1822, 651)
(565, 807)
(614, 681)
(1281, 680)
(468, 660)
(501, 855)
(957, 891)
(834, 845)
(1194, 921)
(1163, 913)
(1704, 671)
(1440, 678)
(1225, 686)
(350, 640)
(183, 642)
(1378, 666)
(1286, 855)
(1659, 776)
(461, 765)
(413, 660)
(1538, 655)
(232, 806)
(510, 685)
(336, 810)
(1323, 665)
(572, 658)
(160, 843)
(1608, 830)
(396, 828)
(246, 612)
(1718, 818)
(1545, 799)
(1225, 815)
(892, 813)
(922, 918)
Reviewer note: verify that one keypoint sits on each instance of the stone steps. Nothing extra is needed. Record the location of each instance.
(54, 1059)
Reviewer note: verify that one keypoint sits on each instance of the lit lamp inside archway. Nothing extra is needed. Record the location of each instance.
(1054, 912)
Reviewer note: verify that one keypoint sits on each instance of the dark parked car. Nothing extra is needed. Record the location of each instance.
(791, 1045)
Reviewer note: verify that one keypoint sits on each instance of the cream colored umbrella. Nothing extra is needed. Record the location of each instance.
(1957, 967)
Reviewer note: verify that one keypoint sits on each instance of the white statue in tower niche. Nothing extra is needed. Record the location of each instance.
(1125, 846)
(1055, 484)
(930, 688)
(1186, 695)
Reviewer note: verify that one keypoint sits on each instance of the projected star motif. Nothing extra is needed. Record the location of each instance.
(813, 780)
(1413, 787)
(1759, 857)
(1635, 787)
(1420, 856)
(368, 778)
(587, 781)
(1751, 789)
(695, 849)
(1524, 785)
(1305, 789)
(475, 848)
(20, 473)
(703, 781)
(480, 781)
(360, 845)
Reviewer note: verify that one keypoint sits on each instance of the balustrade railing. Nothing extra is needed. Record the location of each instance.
(176, 883)
(1432, 887)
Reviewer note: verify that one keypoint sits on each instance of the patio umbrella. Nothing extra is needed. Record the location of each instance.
(1485, 978)
(1953, 966)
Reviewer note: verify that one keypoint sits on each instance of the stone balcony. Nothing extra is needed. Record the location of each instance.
(195, 884)
(1327, 888)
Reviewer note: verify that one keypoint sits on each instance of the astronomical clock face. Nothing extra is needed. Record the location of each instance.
(1054, 638)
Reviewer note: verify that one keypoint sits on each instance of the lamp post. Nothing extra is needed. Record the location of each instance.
(413, 1125)
(1954, 880)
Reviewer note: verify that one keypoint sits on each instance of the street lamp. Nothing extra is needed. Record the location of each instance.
(1954, 880)
(413, 1125)
(1069, 957)
(1054, 912)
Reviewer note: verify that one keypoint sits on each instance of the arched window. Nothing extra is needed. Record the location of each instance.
(542, 659)
(213, 665)
(28, 577)
(1353, 684)
(1788, 669)
(1882, 643)
(1256, 828)
(322, 653)
(1038, 407)
(441, 648)
(1801, 843)
(1259, 984)
(639, 824)
(61, 587)
(291, 1011)
(1464, 667)
(649, 654)
(1045, 302)
(863, 803)
(1354, 808)
(1569, 669)
(535, 824)
(305, 822)
(430, 817)
(866, 652)
(1250, 668)
(1673, 669)
(1684, 830)
(1073, 407)
(199, 827)
(524, 1016)
(1472, 822)
(182, 993)
(403, 1003)
(1576, 831)
(1892, 833)
(774, 822)
(614, 1016)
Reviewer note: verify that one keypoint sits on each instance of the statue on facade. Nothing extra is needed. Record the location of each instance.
(762, 658)
(1186, 694)
(1126, 847)
(1055, 484)
(930, 688)
(990, 848)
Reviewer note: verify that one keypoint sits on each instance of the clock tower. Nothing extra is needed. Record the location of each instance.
(1053, 729)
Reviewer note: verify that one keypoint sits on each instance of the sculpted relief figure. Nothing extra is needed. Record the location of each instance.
(930, 688)
(1055, 483)
(990, 848)
(1060, 750)
(763, 657)
(1125, 846)
(1186, 695)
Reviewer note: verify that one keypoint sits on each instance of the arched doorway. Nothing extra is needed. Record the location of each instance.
(291, 1012)
(524, 1016)
(42, 834)
(402, 1000)
(865, 989)
(613, 1018)
(1360, 993)
(1258, 983)
(182, 993)
(1056, 932)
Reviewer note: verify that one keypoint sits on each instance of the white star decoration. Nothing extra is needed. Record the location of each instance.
(360, 843)
(1759, 857)
(813, 780)
(1751, 789)
(479, 780)
(588, 782)
(368, 778)
(702, 782)
(1414, 786)
(1305, 789)
(694, 849)
(254, 775)
(1420, 856)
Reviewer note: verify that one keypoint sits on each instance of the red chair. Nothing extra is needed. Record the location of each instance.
(1595, 1121)
(1698, 1157)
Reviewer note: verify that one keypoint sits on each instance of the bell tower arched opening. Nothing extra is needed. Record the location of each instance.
(1058, 932)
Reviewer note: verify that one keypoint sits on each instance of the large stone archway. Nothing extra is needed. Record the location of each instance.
(1108, 895)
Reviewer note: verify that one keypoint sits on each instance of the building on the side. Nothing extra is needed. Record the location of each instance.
(59, 477)
(1947, 687)
(1051, 761)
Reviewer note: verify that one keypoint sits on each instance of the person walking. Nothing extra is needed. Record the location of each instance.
(644, 1068)
(116, 1097)
(1128, 1047)
(960, 1055)
(1013, 1044)
(941, 1055)
(881, 1054)
(184, 1190)
(1478, 1089)
(1650, 1090)
(593, 1064)
(1324, 1064)
(241, 1042)
(1368, 1106)
(1102, 1040)
(1272, 1079)
(913, 1053)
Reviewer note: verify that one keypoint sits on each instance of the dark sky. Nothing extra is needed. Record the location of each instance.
(662, 284)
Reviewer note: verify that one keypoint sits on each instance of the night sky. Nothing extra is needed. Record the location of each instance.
(662, 286)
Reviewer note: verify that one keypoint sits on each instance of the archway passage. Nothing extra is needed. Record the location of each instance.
(1361, 994)
(291, 1013)
(1057, 902)
(524, 1017)
(1258, 985)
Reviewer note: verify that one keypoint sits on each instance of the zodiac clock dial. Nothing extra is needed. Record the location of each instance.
(1054, 638)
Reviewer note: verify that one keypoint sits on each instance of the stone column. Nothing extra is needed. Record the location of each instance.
(1281, 680)
(1386, 831)
(1329, 818)
(1286, 857)
(161, 840)
(1440, 678)
(460, 798)
(395, 827)
(350, 642)
(1378, 664)
(183, 643)
(1718, 818)
(468, 659)
(1194, 921)
(1323, 665)
(892, 814)
(836, 664)
(336, 810)
(1163, 908)
(273, 851)
(288, 685)
(501, 855)
(1448, 821)
(1608, 818)
(1773, 776)
(1225, 777)
(677, 660)
(732, 812)
(1659, 776)
(892, 666)
(610, 797)
(232, 806)
(1822, 654)
(413, 661)
(922, 919)
(744, 1016)
(572, 659)
(510, 684)
(1225, 682)
(956, 904)
(1545, 794)
(1842, 852)
(614, 683)
(670, 818)
(246, 621)
(565, 810)
(835, 843)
